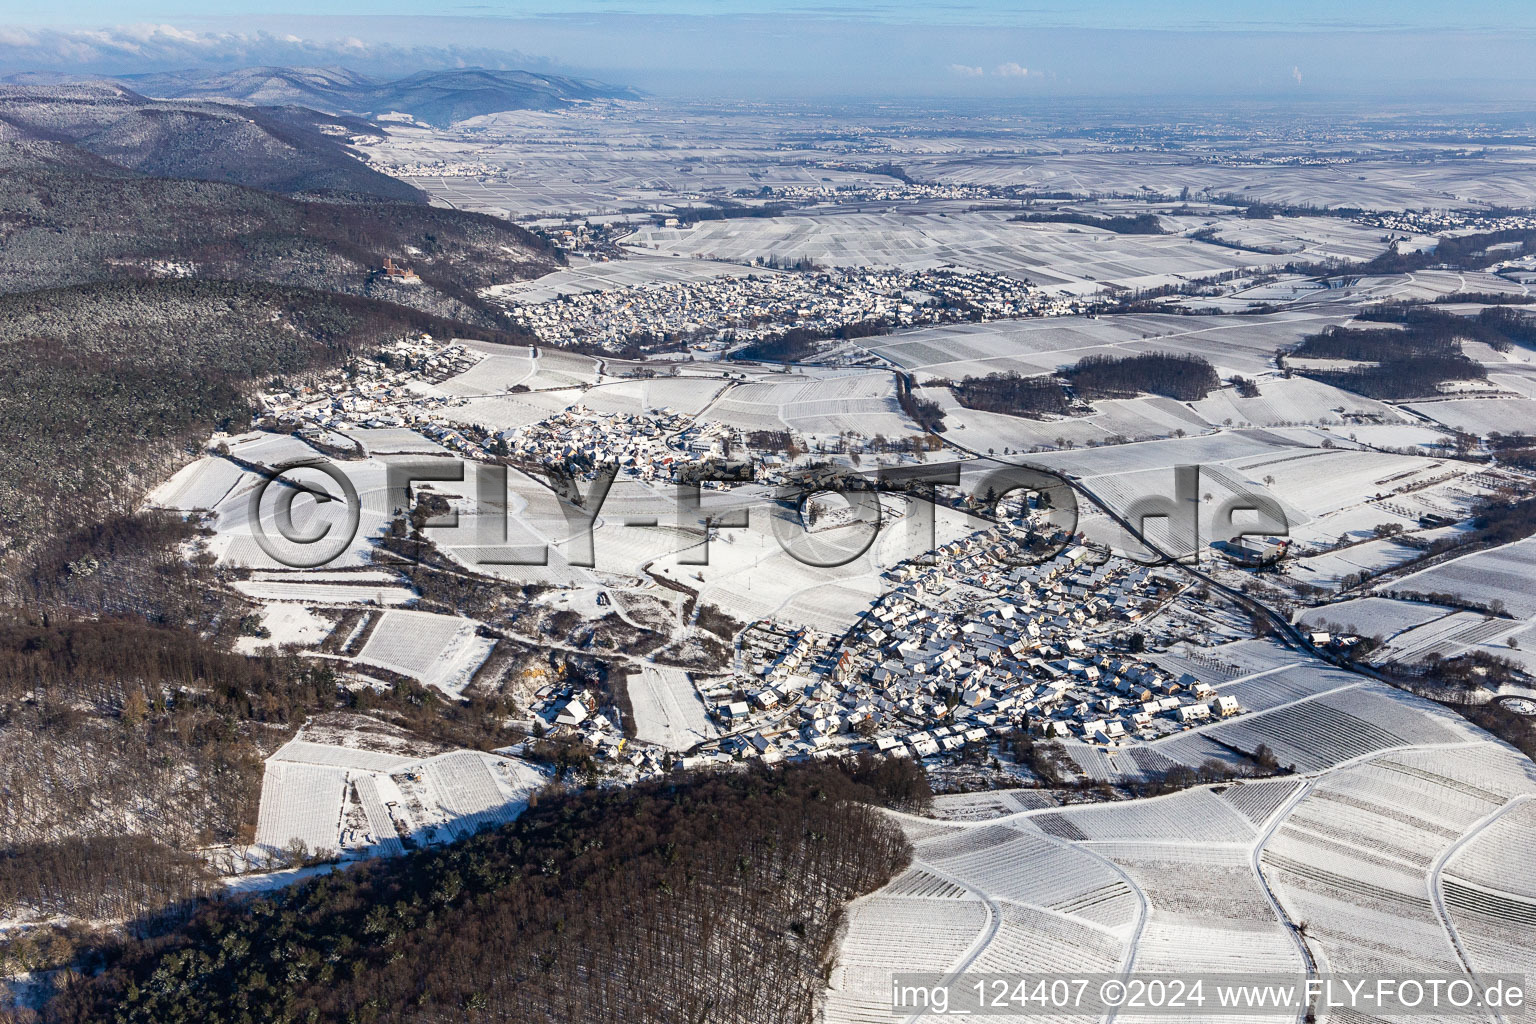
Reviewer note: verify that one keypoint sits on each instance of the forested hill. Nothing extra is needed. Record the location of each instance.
(140, 312)
(284, 149)
(706, 898)
(112, 384)
(70, 218)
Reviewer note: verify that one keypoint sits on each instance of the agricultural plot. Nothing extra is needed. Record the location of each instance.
(1129, 764)
(1036, 869)
(527, 538)
(1482, 415)
(1326, 481)
(992, 432)
(299, 587)
(556, 369)
(1029, 939)
(1341, 724)
(816, 402)
(668, 709)
(1233, 344)
(1499, 578)
(1258, 801)
(470, 794)
(1150, 416)
(440, 650)
(269, 449)
(638, 271)
(299, 751)
(1519, 379)
(1360, 857)
(1373, 616)
(1278, 688)
(1112, 421)
(1119, 476)
(831, 607)
(1309, 715)
(982, 806)
(1450, 636)
(381, 824)
(1285, 401)
(1329, 568)
(751, 407)
(495, 413)
(751, 576)
(358, 803)
(1057, 257)
(1408, 861)
(234, 542)
(1147, 456)
(1384, 185)
(879, 940)
(863, 403)
(300, 803)
(393, 441)
(595, 162)
(1354, 522)
(1308, 238)
(1238, 659)
(286, 624)
(1391, 435)
(495, 374)
(686, 395)
(197, 486)
(1489, 891)
(1193, 816)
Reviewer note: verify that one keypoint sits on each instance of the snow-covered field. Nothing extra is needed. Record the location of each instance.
(668, 709)
(637, 272)
(1233, 344)
(1482, 415)
(1500, 575)
(1062, 257)
(287, 624)
(1374, 616)
(440, 650)
(355, 802)
(1399, 861)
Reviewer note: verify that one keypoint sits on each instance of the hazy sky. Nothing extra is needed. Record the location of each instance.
(1279, 49)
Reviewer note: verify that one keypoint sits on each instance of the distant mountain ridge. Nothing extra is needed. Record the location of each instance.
(435, 97)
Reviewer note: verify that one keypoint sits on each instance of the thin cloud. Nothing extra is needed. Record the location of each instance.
(155, 47)
(966, 71)
(1013, 69)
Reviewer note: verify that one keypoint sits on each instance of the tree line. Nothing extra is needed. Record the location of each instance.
(1013, 394)
(1140, 224)
(1184, 377)
(1406, 362)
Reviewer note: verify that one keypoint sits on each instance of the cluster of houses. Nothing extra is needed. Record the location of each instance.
(577, 713)
(971, 649)
(652, 445)
(965, 650)
(711, 314)
(1434, 221)
(892, 191)
(378, 393)
(581, 440)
